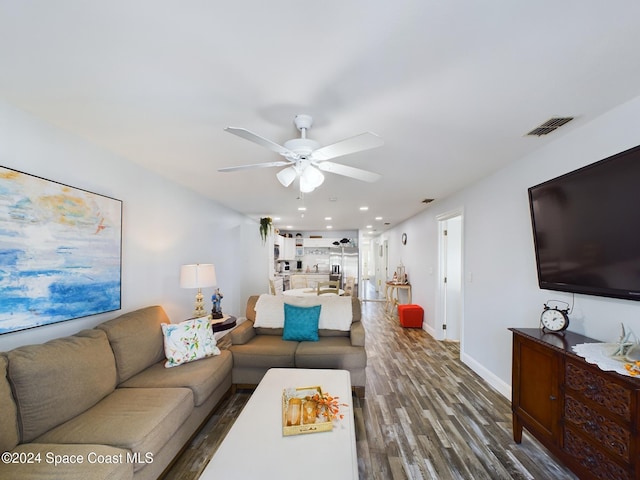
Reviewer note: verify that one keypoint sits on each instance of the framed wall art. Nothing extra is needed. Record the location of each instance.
(60, 252)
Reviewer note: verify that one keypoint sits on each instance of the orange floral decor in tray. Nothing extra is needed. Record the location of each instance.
(633, 368)
(331, 406)
(309, 410)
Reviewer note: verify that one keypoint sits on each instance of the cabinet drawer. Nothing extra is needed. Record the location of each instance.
(601, 430)
(592, 459)
(598, 388)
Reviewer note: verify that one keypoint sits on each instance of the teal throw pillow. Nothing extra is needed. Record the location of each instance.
(301, 323)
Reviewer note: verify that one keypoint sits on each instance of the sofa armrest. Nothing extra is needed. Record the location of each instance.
(357, 334)
(242, 333)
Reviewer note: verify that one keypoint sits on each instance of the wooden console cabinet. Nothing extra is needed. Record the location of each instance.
(588, 418)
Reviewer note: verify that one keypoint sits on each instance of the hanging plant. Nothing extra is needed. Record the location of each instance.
(265, 228)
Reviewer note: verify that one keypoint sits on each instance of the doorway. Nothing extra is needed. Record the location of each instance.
(373, 288)
(449, 309)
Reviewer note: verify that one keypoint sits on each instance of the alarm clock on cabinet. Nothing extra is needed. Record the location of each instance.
(554, 319)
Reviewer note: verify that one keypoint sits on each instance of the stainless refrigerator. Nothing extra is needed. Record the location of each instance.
(347, 260)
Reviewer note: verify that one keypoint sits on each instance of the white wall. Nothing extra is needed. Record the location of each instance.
(498, 249)
(164, 226)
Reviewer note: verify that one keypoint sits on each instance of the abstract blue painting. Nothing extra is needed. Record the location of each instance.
(60, 252)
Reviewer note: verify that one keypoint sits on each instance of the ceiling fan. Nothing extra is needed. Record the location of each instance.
(305, 159)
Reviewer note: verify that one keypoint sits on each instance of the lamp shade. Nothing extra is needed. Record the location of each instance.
(198, 275)
(310, 179)
(286, 176)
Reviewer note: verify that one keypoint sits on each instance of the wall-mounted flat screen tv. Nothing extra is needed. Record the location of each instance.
(586, 228)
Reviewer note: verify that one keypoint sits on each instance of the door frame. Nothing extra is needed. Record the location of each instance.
(442, 262)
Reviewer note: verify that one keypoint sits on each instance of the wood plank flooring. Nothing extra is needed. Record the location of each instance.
(425, 416)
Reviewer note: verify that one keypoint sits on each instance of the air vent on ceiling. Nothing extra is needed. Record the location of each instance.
(550, 126)
(427, 200)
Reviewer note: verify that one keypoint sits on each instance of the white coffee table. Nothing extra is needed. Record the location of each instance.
(255, 448)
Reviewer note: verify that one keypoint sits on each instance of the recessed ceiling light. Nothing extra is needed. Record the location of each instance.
(289, 227)
(327, 218)
(329, 226)
(333, 199)
(302, 209)
(378, 218)
(275, 219)
(369, 226)
(364, 209)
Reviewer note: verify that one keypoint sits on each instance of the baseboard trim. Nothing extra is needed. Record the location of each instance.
(430, 330)
(503, 388)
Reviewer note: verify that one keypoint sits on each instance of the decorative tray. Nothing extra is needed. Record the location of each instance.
(302, 414)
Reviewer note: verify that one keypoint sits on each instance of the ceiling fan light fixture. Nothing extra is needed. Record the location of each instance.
(306, 187)
(286, 176)
(310, 179)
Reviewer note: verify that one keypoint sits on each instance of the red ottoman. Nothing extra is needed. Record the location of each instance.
(410, 315)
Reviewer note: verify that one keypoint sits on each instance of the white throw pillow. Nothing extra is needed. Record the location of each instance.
(188, 341)
(336, 312)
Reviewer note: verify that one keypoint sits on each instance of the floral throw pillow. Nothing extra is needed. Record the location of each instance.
(188, 341)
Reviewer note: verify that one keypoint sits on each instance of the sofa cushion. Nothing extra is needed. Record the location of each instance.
(94, 463)
(136, 339)
(141, 420)
(202, 377)
(9, 436)
(55, 381)
(301, 323)
(188, 341)
(331, 352)
(264, 351)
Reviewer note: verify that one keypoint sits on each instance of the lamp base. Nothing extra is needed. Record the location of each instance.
(199, 310)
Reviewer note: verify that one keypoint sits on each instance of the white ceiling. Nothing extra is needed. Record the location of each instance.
(451, 86)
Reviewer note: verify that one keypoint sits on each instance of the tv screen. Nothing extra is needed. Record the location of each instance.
(586, 228)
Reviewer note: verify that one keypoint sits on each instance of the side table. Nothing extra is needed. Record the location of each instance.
(391, 294)
(225, 323)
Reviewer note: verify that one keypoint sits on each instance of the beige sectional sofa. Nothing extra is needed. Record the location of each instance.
(257, 349)
(101, 405)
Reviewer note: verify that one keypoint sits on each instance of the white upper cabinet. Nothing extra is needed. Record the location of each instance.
(287, 248)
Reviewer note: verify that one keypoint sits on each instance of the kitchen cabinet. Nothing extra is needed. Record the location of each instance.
(287, 248)
(320, 242)
(587, 417)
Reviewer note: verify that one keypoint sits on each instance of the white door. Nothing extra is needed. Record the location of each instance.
(381, 255)
(450, 281)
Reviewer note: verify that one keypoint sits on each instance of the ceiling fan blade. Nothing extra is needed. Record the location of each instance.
(347, 171)
(361, 142)
(252, 137)
(280, 163)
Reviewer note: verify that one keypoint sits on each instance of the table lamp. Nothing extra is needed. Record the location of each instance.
(199, 275)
